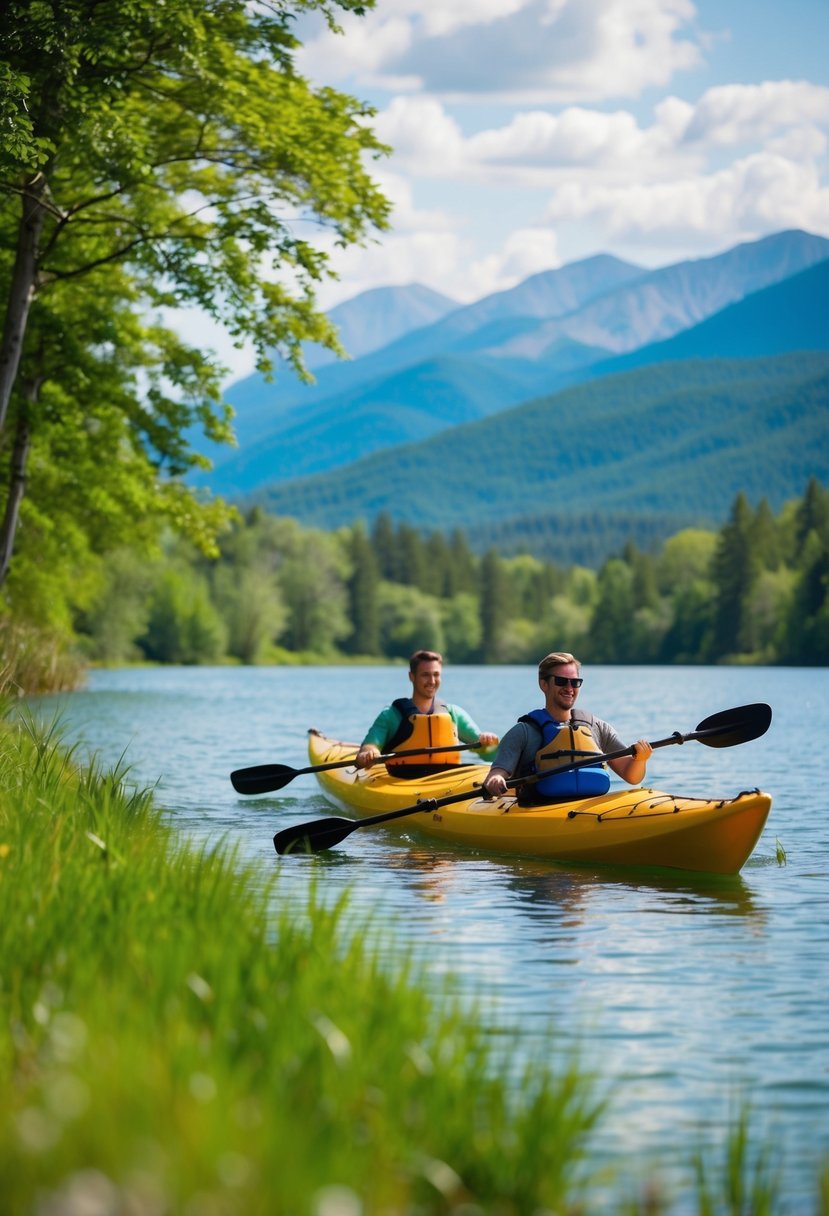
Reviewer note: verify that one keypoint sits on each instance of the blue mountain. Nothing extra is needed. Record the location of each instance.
(792, 315)
(551, 331)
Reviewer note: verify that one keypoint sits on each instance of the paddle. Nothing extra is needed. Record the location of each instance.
(725, 729)
(264, 778)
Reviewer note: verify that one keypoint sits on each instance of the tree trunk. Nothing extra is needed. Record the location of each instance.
(21, 292)
(17, 482)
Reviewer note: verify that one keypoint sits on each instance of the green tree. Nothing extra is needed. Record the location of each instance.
(651, 614)
(119, 612)
(251, 606)
(385, 545)
(410, 620)
(312, 581)
(811, 605)
(461, 627)
(438, 565)
(767, 536)
(184, 625)
(812, 515)
(609, 640)
(412, 567)
(494, 606)
(362, 586)
(735, 567)
(463, 565)
(683, 570)
(168, 155)
(684, 559)
(765, 612)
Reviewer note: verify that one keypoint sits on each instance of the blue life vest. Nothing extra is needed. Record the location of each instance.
(566, 741)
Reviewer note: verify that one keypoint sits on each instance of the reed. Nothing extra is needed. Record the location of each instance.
(175, 1038)
(36, 661)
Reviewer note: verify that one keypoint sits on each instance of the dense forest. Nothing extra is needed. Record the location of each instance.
(753, 592)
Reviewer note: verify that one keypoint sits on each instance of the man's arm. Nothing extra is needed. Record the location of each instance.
(468, 732)
(513, 757)
(629, 768)
(383, 728)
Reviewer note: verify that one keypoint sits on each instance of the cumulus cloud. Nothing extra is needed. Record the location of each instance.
(538, 146)
(759, 194)
(422, 134)
(739, 113)
(486, 195)
(533, 50)
(574, 137)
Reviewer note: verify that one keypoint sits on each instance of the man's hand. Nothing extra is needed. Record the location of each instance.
(496, 783)
(367, 755)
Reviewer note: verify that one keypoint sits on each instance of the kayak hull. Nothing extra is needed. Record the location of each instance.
(632, 826)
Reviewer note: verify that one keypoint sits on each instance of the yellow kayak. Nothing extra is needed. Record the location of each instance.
(626, 826)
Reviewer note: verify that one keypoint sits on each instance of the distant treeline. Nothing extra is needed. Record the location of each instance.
(753, 592)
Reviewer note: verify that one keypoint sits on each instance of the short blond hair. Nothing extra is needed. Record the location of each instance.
(557, 659)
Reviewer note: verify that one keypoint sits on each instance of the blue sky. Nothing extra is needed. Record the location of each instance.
(531, 133)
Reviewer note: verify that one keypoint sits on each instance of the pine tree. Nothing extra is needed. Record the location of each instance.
(735, 567)
(494, 599)
(362, 586)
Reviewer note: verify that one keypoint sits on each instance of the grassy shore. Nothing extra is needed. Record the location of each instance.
(176, 1039)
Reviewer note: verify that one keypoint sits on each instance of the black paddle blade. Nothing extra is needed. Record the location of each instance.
(733, 726)
(262, 778)
(314, 837)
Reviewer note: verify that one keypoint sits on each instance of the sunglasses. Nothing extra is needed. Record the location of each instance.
(563, 681)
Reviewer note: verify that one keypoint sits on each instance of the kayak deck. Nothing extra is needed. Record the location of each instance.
(628, 826)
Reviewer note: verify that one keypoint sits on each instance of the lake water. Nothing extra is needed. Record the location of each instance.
(690, 995)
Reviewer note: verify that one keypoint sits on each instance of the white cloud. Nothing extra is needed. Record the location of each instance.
(756, 195)
(367, 44)
(429, 257)
(561, 161)
(443, 261)
(575, 136)
(734, 114)
(422, 134)
(538, 148)
(527, 251)
(534, 50)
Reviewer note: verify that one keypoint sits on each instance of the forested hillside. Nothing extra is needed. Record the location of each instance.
(670, 444)
(755, 590)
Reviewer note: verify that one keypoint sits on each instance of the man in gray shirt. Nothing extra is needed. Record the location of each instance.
(559, 678)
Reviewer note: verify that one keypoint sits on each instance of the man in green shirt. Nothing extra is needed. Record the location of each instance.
(422, 720)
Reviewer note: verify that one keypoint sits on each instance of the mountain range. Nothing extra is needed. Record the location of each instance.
(694, 359)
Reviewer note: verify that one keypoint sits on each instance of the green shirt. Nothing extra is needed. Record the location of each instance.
(386, 724)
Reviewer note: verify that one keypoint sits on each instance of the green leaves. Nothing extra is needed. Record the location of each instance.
(156, 155)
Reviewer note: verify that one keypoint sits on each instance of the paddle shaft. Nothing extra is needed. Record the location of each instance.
(417, 751)
(676, 737)
(264, 778)
(730, 727)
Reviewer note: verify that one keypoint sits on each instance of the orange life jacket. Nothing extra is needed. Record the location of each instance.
(417, 729)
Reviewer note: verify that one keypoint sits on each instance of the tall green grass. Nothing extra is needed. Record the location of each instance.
(36, 660)
(176, 1038)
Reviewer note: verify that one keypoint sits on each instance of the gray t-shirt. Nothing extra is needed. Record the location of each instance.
(517, 750)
